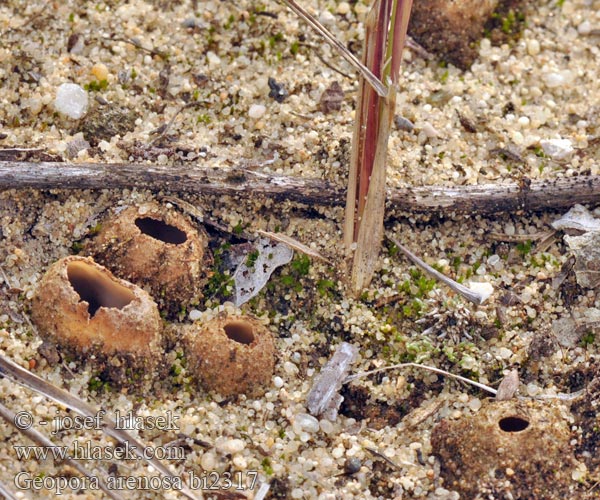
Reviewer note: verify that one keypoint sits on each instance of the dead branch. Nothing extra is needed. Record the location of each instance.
(484, 199)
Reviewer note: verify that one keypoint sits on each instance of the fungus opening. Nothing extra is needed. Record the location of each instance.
(513, 424)
(239, 331)
(160, 230)
(96, 288)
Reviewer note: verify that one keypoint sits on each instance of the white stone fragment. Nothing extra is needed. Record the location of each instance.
(305, 422)
(195, 314)
(430, 131)
(233, 446)
(554, 79)
(213, 60)
(584, 28)
(557, 149)
(326, 17)
(323, 398)
(71, 100)
(343, 8)
(578, 218)
(533, 47)
(256, 111)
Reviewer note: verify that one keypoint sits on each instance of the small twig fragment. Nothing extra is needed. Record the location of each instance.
(337, 45)
(473, 296)
(294, 244)
(424, 367)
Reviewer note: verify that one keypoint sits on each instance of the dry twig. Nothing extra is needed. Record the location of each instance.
(483, 199)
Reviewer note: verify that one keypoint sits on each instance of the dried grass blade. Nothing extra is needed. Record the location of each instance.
(424, 367)
(27, 379)
(291, 242)
(5, 492)
(41, 440)
(462, 290)
(375, 82)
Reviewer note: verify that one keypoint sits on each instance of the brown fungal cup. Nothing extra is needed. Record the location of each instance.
(231, 354)
(81, 306)
(157, 249)
(509, 449)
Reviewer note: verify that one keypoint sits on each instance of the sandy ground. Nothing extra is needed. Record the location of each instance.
(489, 124)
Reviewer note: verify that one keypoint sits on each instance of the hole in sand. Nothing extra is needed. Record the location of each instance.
(160, 230)
(96, 288)
(240, 332)
(513, 424)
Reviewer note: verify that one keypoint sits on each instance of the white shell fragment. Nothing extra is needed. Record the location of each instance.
(324, 398)
(557, 149)
(71, 100)
(250, 280)
(578, 218)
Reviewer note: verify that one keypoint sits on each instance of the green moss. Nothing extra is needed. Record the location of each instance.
(273, 39)
(95, 229)
(266, 466)
(96, 86)
(294, 48)
(238, 229)
(76, 247)
(326, 287)
(252, 257)
(301, 265)
(424, 285)
(96, 384)
(229, 23)
(220, 281)
(524, 248)
(588, 339)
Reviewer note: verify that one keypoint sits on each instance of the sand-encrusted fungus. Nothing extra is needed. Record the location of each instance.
(231, 354)
(156, 248)
(509, 449)
(80, 306)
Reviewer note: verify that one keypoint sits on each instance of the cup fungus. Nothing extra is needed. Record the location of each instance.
(231, 354)
(157, 249)
(81, 306)
(509, 449)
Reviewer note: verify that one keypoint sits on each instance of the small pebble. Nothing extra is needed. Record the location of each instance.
(278, 382)
(233, 446)
(256, 111)
(403, 123)
(71, 100)
(533, 47)
(305, 422)
(100, 71)
(195, 314)
(584, 28)
(430, 131)
(343, 8)
(213, 60)
(557, 149)
(555, 79)
(352, 465)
